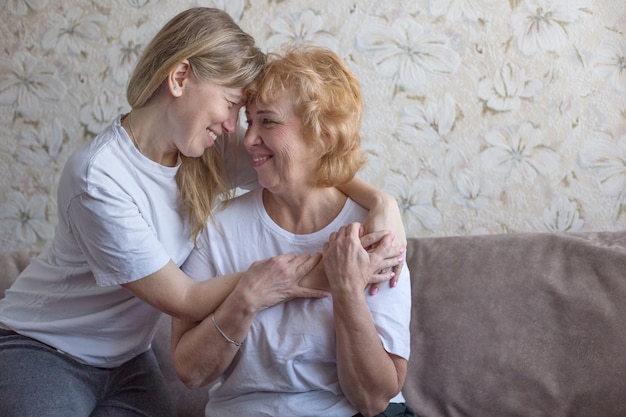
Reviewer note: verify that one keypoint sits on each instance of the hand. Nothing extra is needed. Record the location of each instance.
(386, 216)
(276, 280)
(393, 259)
(350, 262)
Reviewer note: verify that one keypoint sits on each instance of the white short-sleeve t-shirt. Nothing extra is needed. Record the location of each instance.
(287, 365)
(119, 220)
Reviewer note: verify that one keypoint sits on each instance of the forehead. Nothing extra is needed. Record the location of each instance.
(282, 105)
(233, 94)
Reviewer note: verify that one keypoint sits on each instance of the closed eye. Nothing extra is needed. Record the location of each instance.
(264, 122)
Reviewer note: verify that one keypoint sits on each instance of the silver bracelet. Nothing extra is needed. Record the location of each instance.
(228, 339)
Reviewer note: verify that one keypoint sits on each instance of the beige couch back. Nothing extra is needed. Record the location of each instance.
(519, 325)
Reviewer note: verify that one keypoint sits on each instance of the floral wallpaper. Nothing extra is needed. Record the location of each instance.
(482, 116)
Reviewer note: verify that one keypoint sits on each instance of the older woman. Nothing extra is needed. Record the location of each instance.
(336, 356)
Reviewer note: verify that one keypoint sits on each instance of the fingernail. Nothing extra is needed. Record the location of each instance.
(393, 284)
(402, 250)
(374, 291)
(400, 259)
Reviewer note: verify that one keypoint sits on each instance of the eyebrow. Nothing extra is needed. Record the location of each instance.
(262, 112)
(236, 98)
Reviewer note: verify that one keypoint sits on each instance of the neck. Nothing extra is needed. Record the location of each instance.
(306, 212)
(147, 140)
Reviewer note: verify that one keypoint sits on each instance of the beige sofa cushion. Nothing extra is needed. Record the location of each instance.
(519, 325)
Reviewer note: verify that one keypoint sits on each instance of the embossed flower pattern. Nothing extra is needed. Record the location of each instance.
(480, 116)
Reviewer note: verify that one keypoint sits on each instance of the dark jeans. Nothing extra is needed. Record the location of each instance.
(38, 381)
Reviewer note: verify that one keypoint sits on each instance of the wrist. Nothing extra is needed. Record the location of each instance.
(347, 288)
(224, 335)
(347, 297)
(245, 300)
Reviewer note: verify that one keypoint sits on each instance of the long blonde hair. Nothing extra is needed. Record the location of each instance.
(216, 47)
(218, 51)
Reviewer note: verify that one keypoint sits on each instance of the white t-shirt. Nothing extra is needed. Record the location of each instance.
(118, 221)
(287, 365)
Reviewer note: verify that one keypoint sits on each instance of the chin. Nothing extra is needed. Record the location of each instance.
(266, 184)
(195, 153)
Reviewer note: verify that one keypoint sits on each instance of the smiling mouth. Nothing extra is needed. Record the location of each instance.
(260, 160)
(212, 134)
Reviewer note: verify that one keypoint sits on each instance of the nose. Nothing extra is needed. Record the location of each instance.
(251, 138)
(229, 125)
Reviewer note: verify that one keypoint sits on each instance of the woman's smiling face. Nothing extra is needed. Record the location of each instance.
(209, 110)
(277, 143)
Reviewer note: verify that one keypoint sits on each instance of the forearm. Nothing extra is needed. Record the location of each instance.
(367, 374)
(384, 212)
(196, 355)
(205, 297)
(171, 291)
(200, 352)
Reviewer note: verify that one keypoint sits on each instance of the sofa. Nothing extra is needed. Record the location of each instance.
(519, 324)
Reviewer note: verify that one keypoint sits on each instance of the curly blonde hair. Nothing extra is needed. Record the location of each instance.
(327, 98)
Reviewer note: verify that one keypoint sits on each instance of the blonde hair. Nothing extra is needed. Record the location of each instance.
(218, 51)
(216, 47)
(327, 98)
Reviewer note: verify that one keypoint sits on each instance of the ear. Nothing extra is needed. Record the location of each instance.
(178, 78)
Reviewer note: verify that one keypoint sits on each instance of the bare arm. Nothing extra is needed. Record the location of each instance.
(384, 211)
(384, 214)
(170, 290)
(199, 350)
(368, 374)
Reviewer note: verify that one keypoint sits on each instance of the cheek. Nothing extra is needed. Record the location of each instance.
(215, 111)
(233, 115)
(285, 160)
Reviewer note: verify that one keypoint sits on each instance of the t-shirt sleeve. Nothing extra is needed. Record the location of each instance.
(198, 265)
(120, 246)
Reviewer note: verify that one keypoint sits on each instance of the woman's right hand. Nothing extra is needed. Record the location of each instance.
(276, 280)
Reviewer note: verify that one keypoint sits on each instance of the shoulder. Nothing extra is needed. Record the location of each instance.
(91, 163)
(235, 217)
(351, 212)
(94, 152)
(243, 203)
